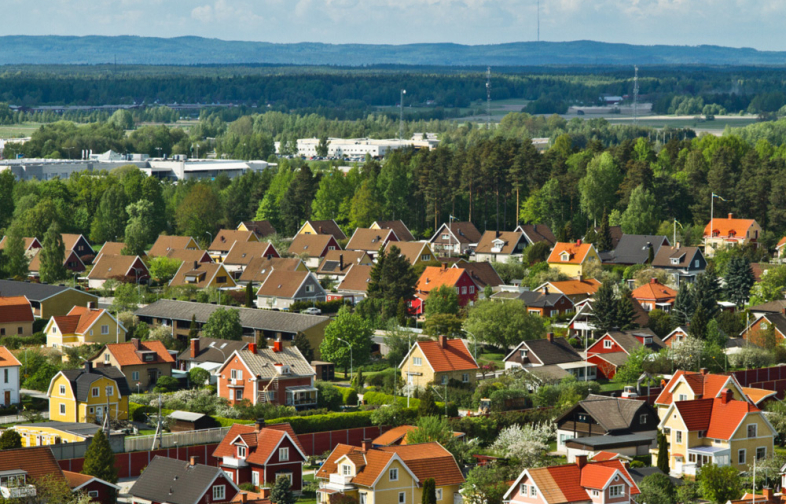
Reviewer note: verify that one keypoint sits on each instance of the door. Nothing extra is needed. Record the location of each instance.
(7, 398)
(99, 413)
(678, 465)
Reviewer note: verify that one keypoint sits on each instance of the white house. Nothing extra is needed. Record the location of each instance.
(9, 378)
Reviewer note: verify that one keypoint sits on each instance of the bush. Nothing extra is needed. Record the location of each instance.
(329, 396)
(325, 306)
(247, 487)
(166, 384)
(15, 342)
(348, 395)
(330, 421)
(39, 325)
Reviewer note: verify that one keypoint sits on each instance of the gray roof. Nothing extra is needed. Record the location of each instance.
(79, 428)
(684, 255)
(628, 341)
(34, 291)
(548, 353)
(176, 481)
(547, 374)
(634, 249)
(538, 233)
(82, 380)
(267, 320)
(261, 363)
(212, 350)
(604, 442)
(777, 306)
(616, 358)
(531, 298)
(612, 413)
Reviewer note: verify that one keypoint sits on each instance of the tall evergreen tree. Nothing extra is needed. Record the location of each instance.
(604, 309)
(698, 323)
(110, 218)
(391, 279)
(684, 306)
(663, 453)
(302, 344)
(739, 280)
(249, 296)
(99, 459)
(281, 493)
(604, 234)
(52, 268)
(16, 261)
(193, 331)
(429, 491)
(625, 311)
(706, 293)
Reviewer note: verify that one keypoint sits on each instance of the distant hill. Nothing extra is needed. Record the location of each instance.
(41, 50)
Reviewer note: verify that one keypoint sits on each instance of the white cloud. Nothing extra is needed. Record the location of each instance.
(203, 13)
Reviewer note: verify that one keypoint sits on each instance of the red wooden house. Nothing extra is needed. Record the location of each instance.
(434, 277)
(612, 350)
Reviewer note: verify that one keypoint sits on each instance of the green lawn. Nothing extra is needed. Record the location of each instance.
(607, 385)
(18, 130)
(717, 124)
(496, 358)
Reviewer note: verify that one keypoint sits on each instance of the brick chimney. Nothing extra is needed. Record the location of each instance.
(277, 346)
(194, 347)
(703, 371)
(550, 337)
(581, 461)
(341, 262)
(259, 424)
(193, 460)
(196, 264)
(366, 445)
(730, 216)
(320, 230)
(726, 396)
(768, 495)
(578, 242)
(135, 342)
(243, 497)
(443, 341)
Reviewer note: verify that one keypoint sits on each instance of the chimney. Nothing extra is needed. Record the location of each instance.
(196, 264)
(366, 445)
(341, 262)
(703, 371)
(768, 495)
(135, 342)
(730, 216)
(88, 367)
(653, 280)
(259, 424)
(445, 266)
(194, 347)
(578, 242)
(550, 337)
(277, 346)
(91, 305)
(581, 461)
(443, 341)
(252, 347)
(545, 291)
(496, 234)
(726, 396)
(320, 230)
(193, 460)
(677, 246)
(243, 497)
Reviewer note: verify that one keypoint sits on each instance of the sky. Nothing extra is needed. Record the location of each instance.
(734, 23)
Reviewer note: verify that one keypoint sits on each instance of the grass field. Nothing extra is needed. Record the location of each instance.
(496, 358)
(18, 130)
(717, 124)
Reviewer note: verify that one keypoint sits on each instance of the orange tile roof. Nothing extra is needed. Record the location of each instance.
(756, 395)
(15, 309)
(712, 415)
(654, 290)
(569, 483)
(604, 455)
(125, 353)
(577, 252)
(596, 476)
(38, 462)
(260, 443)
(454, 357)
(781, 242)
(429, 460)
(394, 435)
(574, 287)
(434, 277)
(76, 479)
(78, 320)
(704, 386)
(7, 359)
(724, 227)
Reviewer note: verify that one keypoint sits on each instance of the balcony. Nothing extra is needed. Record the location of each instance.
(233, 462)
(339, 479)
(17, 492)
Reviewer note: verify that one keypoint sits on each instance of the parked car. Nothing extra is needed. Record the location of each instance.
(312, 311)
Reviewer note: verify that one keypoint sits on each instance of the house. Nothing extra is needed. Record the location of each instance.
(355, 282)
(715, 430)
(397, 436)
(337, 262)
(434, 277)
(129, 269)
(16, 316)
(438, 362)
(22, 468)
(208, 353)
(572, 258)
(31, 244)
(415, 252)
(371, 240)
(691, 385)
(634, 249)
(174, 481)
(278, 375)
(260, 267)
(581, 482)
(98, 490)
(166, 243)
(47, 300)
(780, 248)
(83, 326)
(268, 324)
(654, 295)
(111, 248)
(141, 362)
(550, 351)
(261, 228)
(71, 261)
(542, 304)
(224, 241)
(615, 233)
(202, 276)
(759, 328)
(402, 231)
(322, 227)
(729, 232)
(458, 238)
(283, 288)
(612, 349)
(500, 246)
(632, 423)
(260, 454)
(683, 264)
(52, 433)
(10, 378)
(678, 335)
(536, 233)
(190, 255)
(79, 244)
(311, 248)
(776, 306)
(87, 394)
(575, 290)
(243, 252)
(482, 273)
(393, 474)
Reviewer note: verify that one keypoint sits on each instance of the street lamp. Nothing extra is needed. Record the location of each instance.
(211, 236)
(401, 115)
(350, 359)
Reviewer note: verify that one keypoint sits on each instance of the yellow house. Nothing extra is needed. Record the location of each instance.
(415, 252)
(51, 433)
(721, 431)
(389, 474)
(202, 275)
(322, 227)
(572, 258)
(438, 362)
(88, 394)
(83, 326)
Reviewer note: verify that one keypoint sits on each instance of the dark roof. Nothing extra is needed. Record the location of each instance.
(603, 442)
(555, 352)
(536, 233)
(464, 232)
(176, 481)
(253, 318)
(613, 413)
(328, 227)
(482, 273)
(634, 249)
(398, 227)
(531, 298)
(639, 473)
(616, 358)
(777, 319)
(82, 380)
(260, 228)
(628, 341)
(667, 253)
(34, 291)
(208, 353)
(777, 306)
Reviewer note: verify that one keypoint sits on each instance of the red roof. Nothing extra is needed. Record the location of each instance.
(126, 353)
(15, 309)
(38, 462)
(719, 419)
(434, 277)
(572, 482)
(725, 228)
(781, 243)
(604, 455)
(7, 359)
(261, 444)
(455, 355)
(429, 460)
(78, 320)
(576, 252)
(703, 385)
(654, 290)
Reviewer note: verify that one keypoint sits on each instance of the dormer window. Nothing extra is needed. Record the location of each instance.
(648, 340)
(564, 256)
(241, 452)
(346, 470)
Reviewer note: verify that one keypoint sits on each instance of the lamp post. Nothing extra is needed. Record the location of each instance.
(351, 369)
(409, 368)
(401, 115)
(211, 236)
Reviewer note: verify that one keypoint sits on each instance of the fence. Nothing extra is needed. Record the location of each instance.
(176, 439)
(77, 450)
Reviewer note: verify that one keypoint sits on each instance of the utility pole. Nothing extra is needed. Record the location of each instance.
(636, 95)
(488, 97)
(401, 115)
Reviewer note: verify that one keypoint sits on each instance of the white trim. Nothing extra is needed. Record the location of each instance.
(517, 483)
(449, 231)
(387, 466)
(92, 479)
(287, 436)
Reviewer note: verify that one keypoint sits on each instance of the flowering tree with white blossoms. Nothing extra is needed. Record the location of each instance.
(529, 444)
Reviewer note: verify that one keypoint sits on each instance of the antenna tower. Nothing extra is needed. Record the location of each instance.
(636, 95)
(488, 97)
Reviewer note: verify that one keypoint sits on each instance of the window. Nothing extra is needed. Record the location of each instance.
(402, 497)
(465, 378)
(285, 475)
(255, 478)
(236, 374)
(444, 237)
(533, 492)
(524, 490)
(150, 357)
(439, 494)
(104, 329)
(444, 379)
(752, 430)
(309, 288)
(764, 326)
(741, 456)
(5, 375)
(595, 493)
(239, 395)
(332, 247)
(221, 279)
(418, 361)
(219, 492)
(393, 474)
(696, 263)
(616, 491)
(18, 330)
(135, 375)
(643, 418)
(761, 452)
(679, 436)
(241, 452)
(106, 357)
(2, 332)
(110, 391)
(607, 343)
(283, 454)
(93, 493)
(96, 391)
(472, 289)
(464, 289)
(458, 290)
(363, 498)
(425, 257)
(683, 397)
(62, 409)
(346, 470)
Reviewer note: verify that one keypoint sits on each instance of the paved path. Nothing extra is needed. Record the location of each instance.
(19, 418)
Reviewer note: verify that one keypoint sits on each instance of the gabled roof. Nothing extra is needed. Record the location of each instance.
(729, 227)
(81, 380)
(38, 462)
(311, 245)
(165, 243)
(259, 268)
(704, 385)
(434, 277)
(111, 248)
(778, 320)
(461, 232)
(411, 250)
(261, 442)
(79, 480)
(190, 255)
(70, 241)
(30, 243)
(284, 284)
(369, 465)
(35, 261)
(503, 243)
(227, 237)
(356, 279)
(683, 255)
(261, 363)
(177, 482)
(79, 320)
(126, 354)
(338, 262)
(203, 273)
(326, 227)
(720, 419)
(260, 228)
(654, 290)
(777, 306)
(401, 229)
(370, 240)
(15, 309)
(573, 287)
(7, 359)
(576, 252)
(454, 356)
(611, 413)
(36, 291)
(548, 352)
(394, 435)
(212, 350)
(482, 273)
(629, 341)
(532, 299)
(536, 233)
(678, 331)
(428, 460)
(634, 249)
(242, 252)
(109, 266)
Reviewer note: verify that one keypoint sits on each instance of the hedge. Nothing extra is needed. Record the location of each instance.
(328, 422)
(380, 399)
(346, 392)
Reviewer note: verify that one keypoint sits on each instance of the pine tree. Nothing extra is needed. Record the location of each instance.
(262, 340)
(302, 344)
(429, 491)
(684, 306)
(52, 256)
(391, 279)
(604, 234)
(706, 293)
(193, 330)
(249, 296)
(739, 280)
(663, 454)
(281, 493)
(698, 323)
(99, 459)
(625, 311)
(604, 309)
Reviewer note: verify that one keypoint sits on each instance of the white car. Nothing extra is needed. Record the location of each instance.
(312, 311)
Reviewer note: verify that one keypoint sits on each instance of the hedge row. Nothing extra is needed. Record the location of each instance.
(380, 399)
(328, 422)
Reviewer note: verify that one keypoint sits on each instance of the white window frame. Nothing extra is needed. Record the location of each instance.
(346, 470)
(744, 454)
(755, 430)
(363, 498)
(439, 494)
(255, 478)
(523, 490)
(62, 409)
(135, 375)
(219, 493)
(683, 397)
(607, 343)
(465, 378)
(283, 454)
(402, 498)
(444, 379)
(288, 475)
(616, 491)
(92, 493)
(62, 390)
(643, 418)
(393, 474)
(533, 491)
(107, 357)
(417, 361)
(241, 452)
(678, 437)
(104, 329)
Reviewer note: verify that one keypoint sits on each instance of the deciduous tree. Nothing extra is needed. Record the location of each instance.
(52, 267)
(224, 323)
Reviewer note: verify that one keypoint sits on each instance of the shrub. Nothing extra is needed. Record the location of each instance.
(329, 396)
(330, 421)
(166, 384)
(349, 396)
